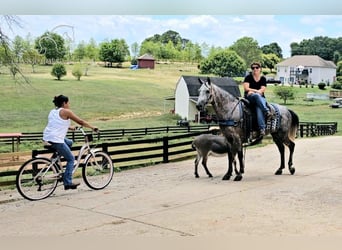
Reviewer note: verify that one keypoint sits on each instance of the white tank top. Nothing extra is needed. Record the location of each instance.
(57, 127)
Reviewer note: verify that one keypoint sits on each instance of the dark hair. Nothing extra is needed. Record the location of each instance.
(59, 100)
(256, 64)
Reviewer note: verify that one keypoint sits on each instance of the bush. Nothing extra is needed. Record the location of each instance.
(77, 72)
(321, 85)
(336, 85)
(284, 93)
(58, 70)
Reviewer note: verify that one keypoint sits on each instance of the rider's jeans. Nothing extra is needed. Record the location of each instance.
(261, 109)
(64, 150)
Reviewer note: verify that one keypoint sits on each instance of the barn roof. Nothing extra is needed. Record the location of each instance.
(146, 57)
(226, 83)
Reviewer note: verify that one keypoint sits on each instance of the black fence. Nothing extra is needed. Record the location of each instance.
(169, 144)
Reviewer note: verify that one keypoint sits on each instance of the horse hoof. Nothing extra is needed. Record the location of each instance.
(210, 176)
(292, 170)
(238, 178)
(196, 176)
(226, 178)
(279, 172)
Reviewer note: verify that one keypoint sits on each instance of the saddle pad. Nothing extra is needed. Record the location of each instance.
(273, 124)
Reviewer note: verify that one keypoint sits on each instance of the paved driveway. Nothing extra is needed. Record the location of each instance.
(166, 200)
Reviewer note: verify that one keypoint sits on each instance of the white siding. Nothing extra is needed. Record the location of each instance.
(182, 99)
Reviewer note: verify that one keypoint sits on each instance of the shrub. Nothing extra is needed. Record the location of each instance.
(77, 72)
(284, 92)
(58, 70)
(321, 85)
(336, 85)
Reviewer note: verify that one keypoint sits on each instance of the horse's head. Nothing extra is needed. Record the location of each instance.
(204, 94)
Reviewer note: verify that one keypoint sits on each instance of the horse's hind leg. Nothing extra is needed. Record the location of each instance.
(281, 149)
(290, 163)
(204, 163)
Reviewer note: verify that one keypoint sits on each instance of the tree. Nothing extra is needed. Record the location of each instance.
(80, 51)
(135, 49)
(284, 92)
(272, 48)
(58, 70)
(7, 56)
(51, 45)
(223, 63)
(114, 51)
(270, 60)
(248, 49)
(92, 51)
(32, 57)
(324, 47)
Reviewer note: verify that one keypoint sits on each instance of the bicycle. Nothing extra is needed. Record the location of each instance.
(38, 177)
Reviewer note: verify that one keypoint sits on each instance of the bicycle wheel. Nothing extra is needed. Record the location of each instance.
(37, 179)
(98, 170)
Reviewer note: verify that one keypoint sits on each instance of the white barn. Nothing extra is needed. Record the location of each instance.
(186, 94)
(310, 69)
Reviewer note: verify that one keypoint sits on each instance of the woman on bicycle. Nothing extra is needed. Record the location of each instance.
(55, 134)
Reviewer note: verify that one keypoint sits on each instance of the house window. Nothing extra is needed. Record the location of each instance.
(310, 70)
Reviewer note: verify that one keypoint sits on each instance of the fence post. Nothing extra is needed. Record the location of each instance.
(105, 147)
(34, 153)
(165, 149)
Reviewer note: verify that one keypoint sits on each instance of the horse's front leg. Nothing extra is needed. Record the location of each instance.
(230, 167)
(242, 167)
(281, 149)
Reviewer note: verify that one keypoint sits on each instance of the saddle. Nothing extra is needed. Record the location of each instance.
(250, 123)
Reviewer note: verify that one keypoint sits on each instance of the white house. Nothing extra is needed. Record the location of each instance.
(186, 94)
(309, 69)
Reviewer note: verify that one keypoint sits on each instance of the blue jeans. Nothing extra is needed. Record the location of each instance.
(261, 108)
(64, 150)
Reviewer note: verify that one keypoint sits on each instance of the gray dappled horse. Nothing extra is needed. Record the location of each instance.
(233, 115)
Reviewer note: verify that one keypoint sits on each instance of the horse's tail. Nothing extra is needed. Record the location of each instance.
(294, 125)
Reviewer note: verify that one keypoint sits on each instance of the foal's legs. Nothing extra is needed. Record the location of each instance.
(204, 163)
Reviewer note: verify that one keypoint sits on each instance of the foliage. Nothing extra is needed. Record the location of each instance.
(58, 70)
(270, 61)
(321, 85)
(51, 45)
(114, 51)
(248, 49)
(336, 85)
(223, 63)
(77, 72)
(33, 58)
(284, 92)
(171, 46)
(325, 47)
(272, 48)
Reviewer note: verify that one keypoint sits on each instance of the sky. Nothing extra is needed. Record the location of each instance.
(214, 30)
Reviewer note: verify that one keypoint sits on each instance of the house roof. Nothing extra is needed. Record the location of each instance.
(307, 61)
(226, 83)
(146, 57)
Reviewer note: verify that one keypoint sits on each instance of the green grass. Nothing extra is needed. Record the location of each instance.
(120, 98)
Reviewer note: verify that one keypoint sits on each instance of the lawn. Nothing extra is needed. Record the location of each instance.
(120, 98)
